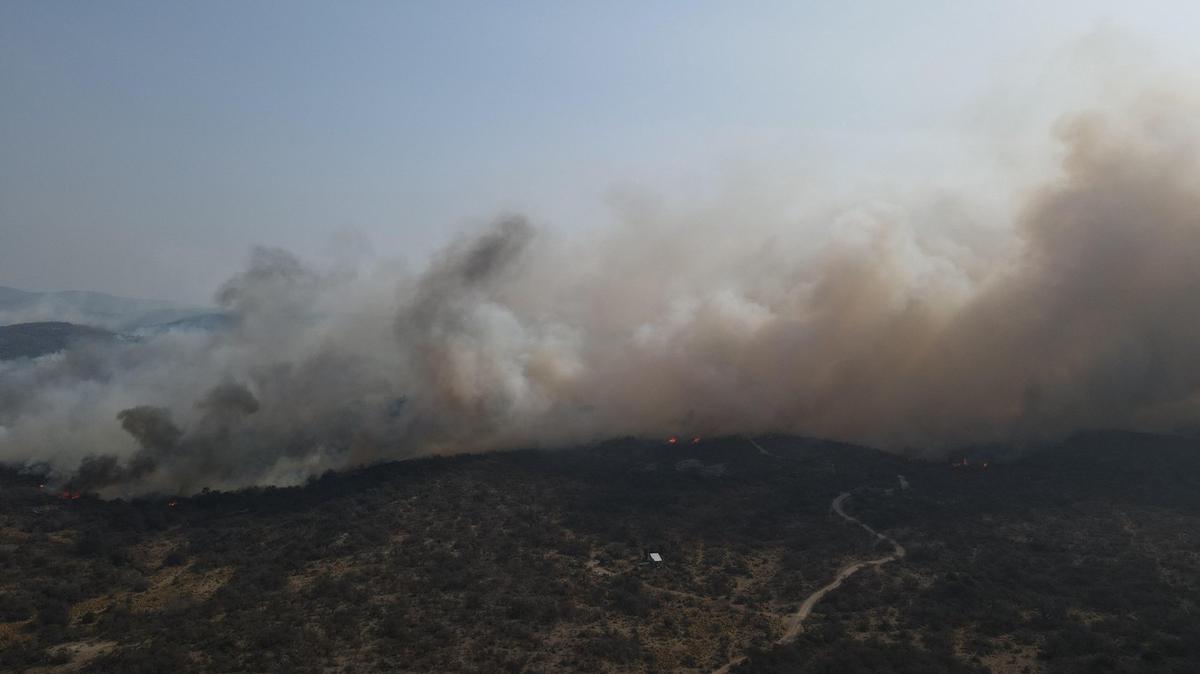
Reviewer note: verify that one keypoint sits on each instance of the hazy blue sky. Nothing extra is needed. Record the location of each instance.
(145, 146)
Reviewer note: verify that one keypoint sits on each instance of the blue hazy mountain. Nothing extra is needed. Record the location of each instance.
(30, 340)
(111, 312)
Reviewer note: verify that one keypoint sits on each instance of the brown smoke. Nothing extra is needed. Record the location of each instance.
(887, 330)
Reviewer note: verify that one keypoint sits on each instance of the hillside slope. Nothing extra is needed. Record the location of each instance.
(534, 561)
(30, 340)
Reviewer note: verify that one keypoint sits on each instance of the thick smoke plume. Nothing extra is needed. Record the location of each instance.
(895, 327)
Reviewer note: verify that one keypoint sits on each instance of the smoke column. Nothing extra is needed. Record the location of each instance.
(886, 330)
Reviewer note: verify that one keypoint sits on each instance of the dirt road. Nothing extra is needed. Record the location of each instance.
(761, 450)
(795, 623)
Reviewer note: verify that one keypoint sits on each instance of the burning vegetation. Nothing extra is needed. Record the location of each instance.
(966, 463)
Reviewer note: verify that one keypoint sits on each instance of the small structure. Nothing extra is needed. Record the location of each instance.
(654, 558)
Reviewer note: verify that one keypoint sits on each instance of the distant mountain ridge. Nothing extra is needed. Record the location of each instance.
(121, 314)
(207, 322)
(30, 340)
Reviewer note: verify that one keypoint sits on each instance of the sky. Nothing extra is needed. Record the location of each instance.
(145, 147)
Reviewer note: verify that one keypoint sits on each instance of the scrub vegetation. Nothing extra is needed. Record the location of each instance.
(1079, 558)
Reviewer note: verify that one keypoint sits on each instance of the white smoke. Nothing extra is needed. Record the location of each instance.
(904, 324)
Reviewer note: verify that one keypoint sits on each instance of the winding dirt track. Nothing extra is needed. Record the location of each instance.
(795, 622)
(761, 450)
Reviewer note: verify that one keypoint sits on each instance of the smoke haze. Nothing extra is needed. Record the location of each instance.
(901, 325)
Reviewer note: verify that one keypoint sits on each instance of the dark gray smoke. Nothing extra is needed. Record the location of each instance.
(151, 427)
(895, 327)
(156, 436)
(227, 401)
